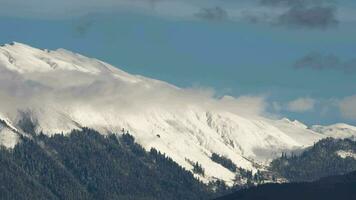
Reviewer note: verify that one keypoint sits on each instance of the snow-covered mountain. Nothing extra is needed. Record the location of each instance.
(336, 130)
(59, 91)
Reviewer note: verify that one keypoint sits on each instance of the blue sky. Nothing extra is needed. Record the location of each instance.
(305, 68)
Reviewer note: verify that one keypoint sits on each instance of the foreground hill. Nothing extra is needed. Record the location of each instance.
(326, 157)
(331, 188)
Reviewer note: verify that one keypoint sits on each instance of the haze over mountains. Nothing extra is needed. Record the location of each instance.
(59, 91)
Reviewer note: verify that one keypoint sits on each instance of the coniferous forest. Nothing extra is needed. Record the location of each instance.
(87, 165)
(319, 161)
(331, 188)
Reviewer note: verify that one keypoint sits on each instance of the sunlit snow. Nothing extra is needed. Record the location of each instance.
(61, 91)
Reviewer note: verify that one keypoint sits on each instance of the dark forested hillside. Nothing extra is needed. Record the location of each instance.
(331, 188)
(321, 160)
(87, 165)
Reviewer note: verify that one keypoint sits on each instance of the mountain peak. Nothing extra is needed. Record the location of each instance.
(14, 44)
(24, 59)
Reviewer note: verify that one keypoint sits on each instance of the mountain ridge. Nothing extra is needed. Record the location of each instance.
(60, 91)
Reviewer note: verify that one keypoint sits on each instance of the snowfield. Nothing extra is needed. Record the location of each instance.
(346, 154)
(60, 91)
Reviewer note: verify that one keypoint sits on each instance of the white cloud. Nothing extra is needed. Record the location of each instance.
(245, 105)
(348, 107)
(70, 89)
(301, 105)
(276, 106)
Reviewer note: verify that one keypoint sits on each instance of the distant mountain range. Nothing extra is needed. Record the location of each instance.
(54, 92)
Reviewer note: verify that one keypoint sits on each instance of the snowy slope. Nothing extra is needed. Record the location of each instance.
(8, 134)
(299, 131)
(8, 138)
(60, 91)
(336, 130)
(346, 154)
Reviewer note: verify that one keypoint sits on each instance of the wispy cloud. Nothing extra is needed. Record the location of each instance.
(318, 14)
(313, 17)
(347, 107)
(301, 105)
(298, 105)
(212, 14)
(82, 27)
(313, 14)
(342, 107)
(309, 14)
(319, 61)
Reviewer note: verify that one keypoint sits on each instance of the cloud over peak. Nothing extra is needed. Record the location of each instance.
(301, 105)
